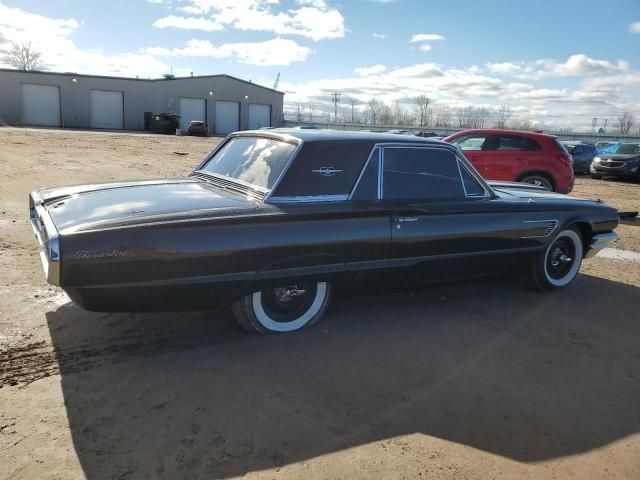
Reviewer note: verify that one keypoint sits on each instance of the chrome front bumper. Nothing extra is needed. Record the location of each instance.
(47, 236)
(600, 241)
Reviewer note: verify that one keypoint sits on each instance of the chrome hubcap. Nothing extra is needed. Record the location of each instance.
(286, 294)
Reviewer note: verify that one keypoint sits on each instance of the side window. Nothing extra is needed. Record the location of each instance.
(421, 173)
(324, 168)
(514, 142)
(470, 142)
(367, 184)
(471, 186)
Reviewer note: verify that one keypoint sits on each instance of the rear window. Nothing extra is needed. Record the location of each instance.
(516, 142)
(253, 160)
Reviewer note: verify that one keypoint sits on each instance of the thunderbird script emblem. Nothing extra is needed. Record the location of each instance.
(327, 171)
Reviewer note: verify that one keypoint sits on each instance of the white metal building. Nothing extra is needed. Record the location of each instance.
(50, 99)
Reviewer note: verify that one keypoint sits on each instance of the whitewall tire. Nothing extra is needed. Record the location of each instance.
(561, 261)
(283, 309)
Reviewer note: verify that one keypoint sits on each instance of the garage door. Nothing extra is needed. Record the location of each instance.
(107, 109)
(40, 105)
(227, 117)
(191, 109)
(259, 116)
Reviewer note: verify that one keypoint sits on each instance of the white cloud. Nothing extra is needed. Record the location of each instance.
(425, 47)
(634, 27)
(313, 19)
(426, 37)
(188, 23)
(277, 51)
(52, 36)
(381, 36)
(600, 94)
(373, 70)
(575, 65)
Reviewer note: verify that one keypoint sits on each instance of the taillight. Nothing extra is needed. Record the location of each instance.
(566, 159)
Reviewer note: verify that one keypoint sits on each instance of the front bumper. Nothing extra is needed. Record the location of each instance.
(48, 239)
(600, 241)
(625, 170)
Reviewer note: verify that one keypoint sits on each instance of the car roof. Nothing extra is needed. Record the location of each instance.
(498, 131)
(342, 135)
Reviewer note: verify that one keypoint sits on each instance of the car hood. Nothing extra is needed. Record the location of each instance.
(618, 156)
(103, 205)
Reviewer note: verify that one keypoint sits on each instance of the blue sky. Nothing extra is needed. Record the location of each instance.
(557, 63)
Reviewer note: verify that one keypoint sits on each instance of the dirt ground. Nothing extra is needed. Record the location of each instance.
(483, 380)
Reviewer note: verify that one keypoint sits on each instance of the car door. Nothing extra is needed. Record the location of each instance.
(445, 222)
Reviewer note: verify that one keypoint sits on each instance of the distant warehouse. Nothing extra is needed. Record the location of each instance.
(72, 100)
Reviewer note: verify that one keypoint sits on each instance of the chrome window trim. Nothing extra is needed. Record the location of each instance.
(295, 154)
(364, 169)
(233, 180)
(460, 162)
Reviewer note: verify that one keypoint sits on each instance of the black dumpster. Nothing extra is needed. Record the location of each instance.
(165, 123)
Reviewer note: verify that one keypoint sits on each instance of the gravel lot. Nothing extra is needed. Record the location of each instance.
(483, 380)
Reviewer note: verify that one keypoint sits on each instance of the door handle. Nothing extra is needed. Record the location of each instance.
(406, 219)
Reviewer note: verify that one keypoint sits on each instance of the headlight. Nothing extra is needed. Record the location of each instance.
(597, 159)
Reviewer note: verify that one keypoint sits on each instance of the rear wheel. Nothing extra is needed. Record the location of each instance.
(560, 263)
(538, 180)
(283, 309)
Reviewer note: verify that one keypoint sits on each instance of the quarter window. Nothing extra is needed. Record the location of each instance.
(421, 173)
(515, 142)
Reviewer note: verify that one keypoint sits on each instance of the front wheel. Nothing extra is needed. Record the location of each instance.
(595, 176)
(283, 309)
(538, 180)
(560, 263)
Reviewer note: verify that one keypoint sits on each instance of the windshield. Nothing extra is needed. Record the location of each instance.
(253, 160)
(623, 148)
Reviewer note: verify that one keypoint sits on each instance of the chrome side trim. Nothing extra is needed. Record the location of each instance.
(548, 229)
(600, 241)
(308, 199)
(381, 173)
(48, 238)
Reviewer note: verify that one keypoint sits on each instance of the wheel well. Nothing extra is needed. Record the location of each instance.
(539, 173)
(585, 233)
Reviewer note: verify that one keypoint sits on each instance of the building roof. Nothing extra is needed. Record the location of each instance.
(83, 75)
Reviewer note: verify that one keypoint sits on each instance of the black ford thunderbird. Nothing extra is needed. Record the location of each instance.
(273, 220)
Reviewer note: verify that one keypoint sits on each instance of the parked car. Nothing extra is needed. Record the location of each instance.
(400, 132)
(621, 160)
(272, 222)
(600, 146)
(517, 156)
(198, 128)
(582, 154)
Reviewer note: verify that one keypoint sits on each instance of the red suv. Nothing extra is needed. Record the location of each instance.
(518, 157)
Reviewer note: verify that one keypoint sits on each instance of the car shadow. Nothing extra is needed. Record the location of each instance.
(491, 365)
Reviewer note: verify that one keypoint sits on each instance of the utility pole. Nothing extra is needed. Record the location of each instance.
(353, 102)
(335, 97)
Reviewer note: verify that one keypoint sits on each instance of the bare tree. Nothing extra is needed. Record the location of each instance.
(22, 56)
(441, 117)
(386, 115)
(504, 113)
(423, 110)
(400, 115)
(374, 108)
(472, 117)
(524, 124)
(626, 121)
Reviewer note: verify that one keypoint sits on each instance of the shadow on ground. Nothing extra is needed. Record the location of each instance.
(493, 366)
